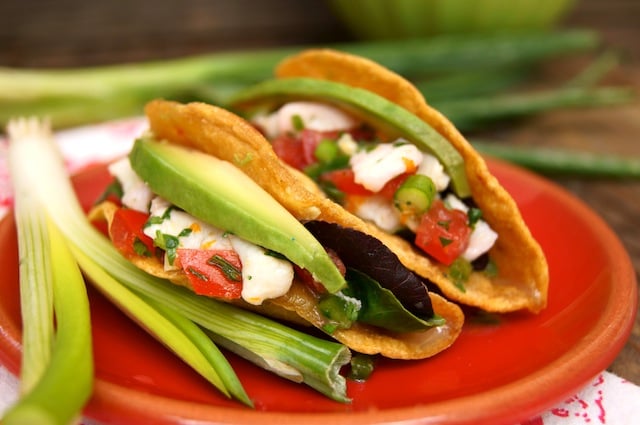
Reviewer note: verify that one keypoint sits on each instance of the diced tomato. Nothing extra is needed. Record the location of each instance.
(289, 149)
(344, 181)
(389, 189)
(212, 272)
(127, 233)
(443, 233)
(298, 150)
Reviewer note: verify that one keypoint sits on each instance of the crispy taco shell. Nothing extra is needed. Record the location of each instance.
(523, 272)
(523, 275)
(300, 306)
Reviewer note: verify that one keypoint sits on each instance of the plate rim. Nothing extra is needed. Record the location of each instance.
(469, 409)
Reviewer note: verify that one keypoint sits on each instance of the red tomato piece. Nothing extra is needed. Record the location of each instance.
(443, 233)
(298, 150)
(344, 181)
(212, 272)
(310, 141)
(127, 235)
(289, 149)
(389, 189)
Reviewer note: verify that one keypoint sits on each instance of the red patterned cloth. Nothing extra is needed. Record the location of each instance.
(608, 399)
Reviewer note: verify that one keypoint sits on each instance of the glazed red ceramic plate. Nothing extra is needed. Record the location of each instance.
(498, 371)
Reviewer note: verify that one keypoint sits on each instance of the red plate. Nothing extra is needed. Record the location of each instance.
(494, 373)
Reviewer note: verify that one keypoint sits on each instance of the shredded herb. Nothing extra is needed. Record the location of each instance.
(169, 243)
(167, 213)
(445, 241)
(185, 232)
(229, 270)
(474, 215)
(153, 220)
(114, 189)
(140, 248)
(197, 274)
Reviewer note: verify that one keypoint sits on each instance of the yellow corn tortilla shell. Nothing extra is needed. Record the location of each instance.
(299, 306)
(523, 275)
(523, 272)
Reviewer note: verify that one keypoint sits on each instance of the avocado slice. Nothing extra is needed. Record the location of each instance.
(218, 193)
(391, 119)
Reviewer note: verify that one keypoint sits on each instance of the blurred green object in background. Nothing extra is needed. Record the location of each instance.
(384, 19)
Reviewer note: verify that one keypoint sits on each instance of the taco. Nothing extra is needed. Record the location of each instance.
(201, 220)
(401, 172)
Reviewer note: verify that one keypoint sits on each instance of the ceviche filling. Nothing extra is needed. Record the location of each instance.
(391, 183)
(216, 262)
(222, 265)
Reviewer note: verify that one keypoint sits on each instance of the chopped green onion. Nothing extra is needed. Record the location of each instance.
(340, 310)
(326, 151)
(415, 194)
(362, 366)
(297, 122)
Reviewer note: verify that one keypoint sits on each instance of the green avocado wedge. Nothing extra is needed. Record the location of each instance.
(381, 114)
(218, 193)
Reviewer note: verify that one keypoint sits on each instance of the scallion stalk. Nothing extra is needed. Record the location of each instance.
(58, 294)
(36, 288)
(118, 90)
(180, 335)
(558, 161)
(469, 84)
(53, 401)
(407, 57)
(594, 72)
(470, 113)
(290, 353)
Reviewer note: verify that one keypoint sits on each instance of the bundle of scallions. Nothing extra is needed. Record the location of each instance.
(474, 81)
(450, 70)
(57, 245)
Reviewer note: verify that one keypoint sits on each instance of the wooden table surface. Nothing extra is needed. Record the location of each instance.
(75, 32)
